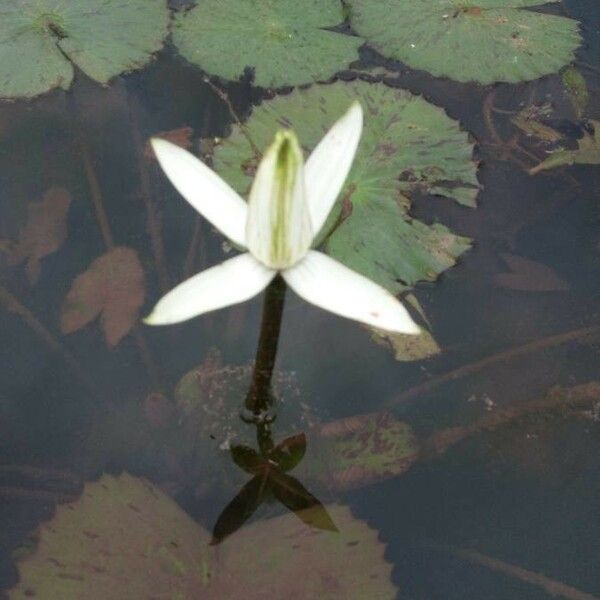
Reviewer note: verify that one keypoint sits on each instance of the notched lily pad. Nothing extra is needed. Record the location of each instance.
(42, 40)
(112, 288)
(482, 40)
(44, 232)
(284, 42)
(408, 145)
(124, 538)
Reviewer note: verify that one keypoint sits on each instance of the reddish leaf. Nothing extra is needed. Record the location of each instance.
(44, 232)
(529, 276)
(181, 136)
(248, 459)
(241, 508)
(294, 496)
(112, 288)
(289, 453)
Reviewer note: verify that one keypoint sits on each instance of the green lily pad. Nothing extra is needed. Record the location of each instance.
(41, 41)
(408, 146)
(124, 538)
(478, 40)
(284, 41)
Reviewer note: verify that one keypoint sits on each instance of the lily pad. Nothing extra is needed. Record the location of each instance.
(284, 42)
(482, 40)
(41, 41)
(408, 146)
(126, 539)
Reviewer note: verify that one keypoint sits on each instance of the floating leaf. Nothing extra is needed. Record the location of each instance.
(112, 288)
(44, 232)
(122, 539)
(529, 276)
(284, 42)
(125, 539)
(41, 41)
(408, 145)
(587, 153)
(577, 90)
(483, 40)
(296, 563)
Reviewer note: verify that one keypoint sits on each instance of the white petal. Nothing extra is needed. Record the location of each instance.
(278, 231)
(328, 165)
(336, 288)
(204, 190)
(233, 281)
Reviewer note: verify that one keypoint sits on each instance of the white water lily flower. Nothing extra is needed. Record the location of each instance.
(288, 204)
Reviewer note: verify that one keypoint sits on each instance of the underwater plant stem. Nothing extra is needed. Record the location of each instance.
(555, 399)
(96, 195)
(225, 98)
(153, 223)
(14, 305)
(260, 395)
(190, 256)
(109, 242)
(551, 586)
(474, 367)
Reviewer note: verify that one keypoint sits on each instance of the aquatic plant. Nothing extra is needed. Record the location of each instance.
(287, 206)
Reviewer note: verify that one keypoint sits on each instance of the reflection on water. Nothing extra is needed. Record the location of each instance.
(495, 477)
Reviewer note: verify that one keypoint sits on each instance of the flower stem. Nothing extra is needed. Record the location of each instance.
(260, 395)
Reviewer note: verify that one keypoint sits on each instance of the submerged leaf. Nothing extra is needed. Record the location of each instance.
(529, 276)
(44, 232)
(357, 451)
(41, 41)
(588, 153)
(125, 539)
(294, 496)
(284, 42)
(408, 145)
(241, 508)
(112, 288)
(483, 41)
(247, 459)
(577, 90)
(289, 453)
(408, 348)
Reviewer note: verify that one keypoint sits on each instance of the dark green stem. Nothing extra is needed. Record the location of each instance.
(260, 395)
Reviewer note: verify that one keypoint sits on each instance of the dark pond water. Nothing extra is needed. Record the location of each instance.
(524, 491)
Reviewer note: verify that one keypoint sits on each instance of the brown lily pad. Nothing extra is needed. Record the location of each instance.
(44, 232)
(529, 276)
(112, 288)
